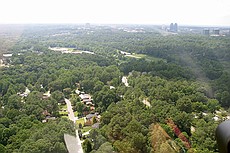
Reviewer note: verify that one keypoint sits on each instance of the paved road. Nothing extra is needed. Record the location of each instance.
(70, 110)
(73, 143)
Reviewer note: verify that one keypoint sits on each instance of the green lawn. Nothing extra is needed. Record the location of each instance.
(86, 129)
(63, 113)
(63, 110)
(81, 120)
(62, 107)
(75, 114)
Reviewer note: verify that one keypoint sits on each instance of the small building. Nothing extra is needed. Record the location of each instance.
(89, 103)
(22, 94)
(7, 55)
(77, 92)
(85, 101)
(90, 119)
(48, 118)
(6, 59)
(125, 53)
(46, 95)
(96, 126)
(84, 96)
(90, 116)
(111, 87)
(46, 113)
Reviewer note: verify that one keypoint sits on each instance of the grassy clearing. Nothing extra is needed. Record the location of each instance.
(65, 117)
(148, 58)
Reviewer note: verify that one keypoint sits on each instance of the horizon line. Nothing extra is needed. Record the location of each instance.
(81, 23)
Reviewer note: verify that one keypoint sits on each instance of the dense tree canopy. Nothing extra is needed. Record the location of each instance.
(176, 84)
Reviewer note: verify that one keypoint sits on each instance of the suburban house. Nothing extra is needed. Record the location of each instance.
(47, 116)
(7, 55)
(125, 53)
(84, 96)
(46, 95)
(92, 118)
(96, 126)
(24, 94)
(87, 100)
(6, 58)
(78, 92)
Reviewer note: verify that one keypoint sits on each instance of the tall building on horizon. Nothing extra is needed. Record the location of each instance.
(173, 27)
(216, 31)
(206, 32)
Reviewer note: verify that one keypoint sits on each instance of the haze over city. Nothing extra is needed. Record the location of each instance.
(187, 12)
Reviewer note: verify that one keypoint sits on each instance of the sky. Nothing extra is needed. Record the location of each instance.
(184, 12)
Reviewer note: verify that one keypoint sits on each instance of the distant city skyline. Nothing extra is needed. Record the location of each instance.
(183, 12)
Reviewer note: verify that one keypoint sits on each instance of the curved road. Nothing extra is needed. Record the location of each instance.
(70, 110)
(73, 144)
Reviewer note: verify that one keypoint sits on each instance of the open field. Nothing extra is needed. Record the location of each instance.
(148, 58)
(70, 50)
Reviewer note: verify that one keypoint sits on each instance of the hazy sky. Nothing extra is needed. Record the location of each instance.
(191, 12)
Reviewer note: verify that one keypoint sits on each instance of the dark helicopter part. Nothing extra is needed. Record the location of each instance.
(223, 137)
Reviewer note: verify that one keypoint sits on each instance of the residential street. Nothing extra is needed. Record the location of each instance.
(70, 110)
(73, 144)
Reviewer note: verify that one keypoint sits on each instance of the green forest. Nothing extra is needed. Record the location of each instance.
(178, 88)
